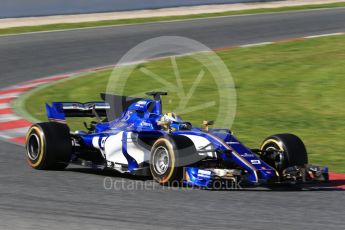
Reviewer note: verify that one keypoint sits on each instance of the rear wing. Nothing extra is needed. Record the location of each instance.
(58, 111)
(112, 106)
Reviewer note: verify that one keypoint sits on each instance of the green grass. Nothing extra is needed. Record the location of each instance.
(296, 87)
(63, 26)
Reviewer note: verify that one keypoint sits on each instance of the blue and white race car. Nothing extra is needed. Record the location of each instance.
(137, 138)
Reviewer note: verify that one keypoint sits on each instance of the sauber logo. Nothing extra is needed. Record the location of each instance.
(247, 155)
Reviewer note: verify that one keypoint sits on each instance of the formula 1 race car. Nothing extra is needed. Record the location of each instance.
(137, 138)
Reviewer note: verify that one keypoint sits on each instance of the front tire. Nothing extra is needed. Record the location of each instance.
(284, 150)
(48, 146)
(168, 156)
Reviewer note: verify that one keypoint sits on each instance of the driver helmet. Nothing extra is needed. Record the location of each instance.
(171, 117)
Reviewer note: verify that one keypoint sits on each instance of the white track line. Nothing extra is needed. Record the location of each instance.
(9, 95)
(5, 106)
(257, 44)
(306, 37)
(11, 133)
(8, 117)
(323, 35)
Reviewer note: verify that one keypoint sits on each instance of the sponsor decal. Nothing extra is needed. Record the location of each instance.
(255, 162)
(247, 155)
(232, 143)
(141, 103)
(204, 173)
(127, 116)
(144, 123)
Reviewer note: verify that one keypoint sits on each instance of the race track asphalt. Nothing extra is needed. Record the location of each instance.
(77, 199)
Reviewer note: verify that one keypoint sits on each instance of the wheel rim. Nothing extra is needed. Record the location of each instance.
(33, 147)
(277, 156)
(161, 160)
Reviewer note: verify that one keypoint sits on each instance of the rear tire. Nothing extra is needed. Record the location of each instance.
(48, 146)
(284, 150)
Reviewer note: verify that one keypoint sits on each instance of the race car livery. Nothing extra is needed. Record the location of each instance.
(133, 136)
